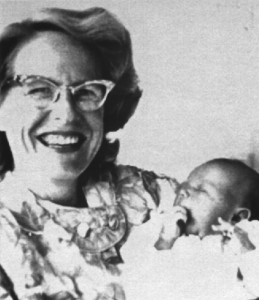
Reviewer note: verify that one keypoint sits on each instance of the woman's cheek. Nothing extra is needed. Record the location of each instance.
(94, 121)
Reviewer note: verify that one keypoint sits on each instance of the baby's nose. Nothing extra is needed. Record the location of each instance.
(182, 194)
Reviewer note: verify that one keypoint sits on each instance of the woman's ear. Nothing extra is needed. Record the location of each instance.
(241, 213)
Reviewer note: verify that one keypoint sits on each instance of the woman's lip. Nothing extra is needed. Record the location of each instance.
(61, 132)
(62, 141)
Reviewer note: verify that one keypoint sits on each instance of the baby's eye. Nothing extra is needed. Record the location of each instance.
(199, 189)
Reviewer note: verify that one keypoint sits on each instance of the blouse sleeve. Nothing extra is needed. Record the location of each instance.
(6, 286)
(139, 192)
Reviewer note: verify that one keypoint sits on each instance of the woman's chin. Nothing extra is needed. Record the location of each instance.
(67, 160)
(62, 161)
(64, 169)
(54, 167)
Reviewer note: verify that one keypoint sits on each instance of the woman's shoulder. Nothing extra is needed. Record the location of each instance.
(143, 190)
(155, 184)
(129, 170)
(149, 178)
(138, 191)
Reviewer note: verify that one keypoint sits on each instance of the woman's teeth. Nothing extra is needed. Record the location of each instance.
(57, 139)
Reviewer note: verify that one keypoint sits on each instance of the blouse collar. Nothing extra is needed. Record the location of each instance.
(93, 229)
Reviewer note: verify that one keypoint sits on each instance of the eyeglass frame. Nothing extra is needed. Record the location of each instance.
(107, 83)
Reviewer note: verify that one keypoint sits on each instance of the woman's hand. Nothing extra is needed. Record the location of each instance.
(172, 227)
(234, 238)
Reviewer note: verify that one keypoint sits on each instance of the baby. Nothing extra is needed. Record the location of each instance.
(220, 188)
(212, 250)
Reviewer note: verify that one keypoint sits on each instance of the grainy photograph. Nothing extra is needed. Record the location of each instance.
(129, 150)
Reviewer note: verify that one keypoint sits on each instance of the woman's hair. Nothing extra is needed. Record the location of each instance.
(107, 37)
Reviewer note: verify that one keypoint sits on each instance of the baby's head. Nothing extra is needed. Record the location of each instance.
(223, 188)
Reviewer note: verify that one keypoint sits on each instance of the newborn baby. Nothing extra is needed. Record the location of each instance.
(212, 248)
(223, 188)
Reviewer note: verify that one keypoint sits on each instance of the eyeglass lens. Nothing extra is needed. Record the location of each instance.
(87, 96)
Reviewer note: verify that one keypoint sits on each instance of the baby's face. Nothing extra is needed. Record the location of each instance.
(204, 195)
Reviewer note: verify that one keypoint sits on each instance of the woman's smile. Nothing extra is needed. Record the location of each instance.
(63, 141)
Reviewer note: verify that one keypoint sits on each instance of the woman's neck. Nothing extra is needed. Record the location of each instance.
(60, 191)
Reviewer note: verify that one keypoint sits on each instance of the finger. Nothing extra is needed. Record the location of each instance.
(226, 231)
(220, 220)
(222, 227)
(171, 221)
(223, 222)
(215, 228)
(178, 215)
(179, 209)
(182, 216)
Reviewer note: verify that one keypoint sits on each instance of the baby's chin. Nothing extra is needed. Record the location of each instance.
(200, 232)
(191, 230)
(207, 232)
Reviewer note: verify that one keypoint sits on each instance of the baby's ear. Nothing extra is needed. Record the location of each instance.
(241, 213)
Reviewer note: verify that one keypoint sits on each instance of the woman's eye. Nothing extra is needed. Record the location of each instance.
(39, 92)
(86, 95)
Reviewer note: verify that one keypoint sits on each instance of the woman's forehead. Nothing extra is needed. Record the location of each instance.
(58, 56)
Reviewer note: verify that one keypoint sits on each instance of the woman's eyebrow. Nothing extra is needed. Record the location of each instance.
(36, 76)
(57, 82)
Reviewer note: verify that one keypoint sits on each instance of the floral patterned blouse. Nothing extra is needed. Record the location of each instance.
(48, 251)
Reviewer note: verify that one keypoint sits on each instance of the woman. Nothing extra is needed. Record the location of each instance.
(67, 79)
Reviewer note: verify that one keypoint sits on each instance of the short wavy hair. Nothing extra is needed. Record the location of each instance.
(98, 29)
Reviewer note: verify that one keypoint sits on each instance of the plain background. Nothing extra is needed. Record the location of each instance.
(198, 63)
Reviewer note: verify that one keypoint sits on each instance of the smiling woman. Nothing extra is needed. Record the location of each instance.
(31, 125)
(66, 208)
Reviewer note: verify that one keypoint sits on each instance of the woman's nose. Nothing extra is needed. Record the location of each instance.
(64, 108)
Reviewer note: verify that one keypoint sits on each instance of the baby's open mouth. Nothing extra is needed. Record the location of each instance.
(57, 140)
(181, 224)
